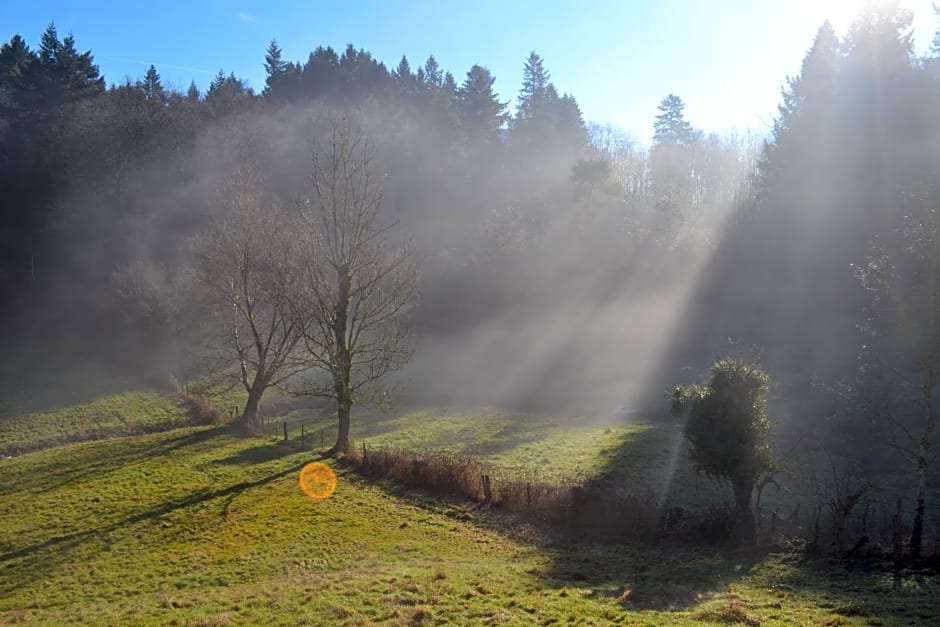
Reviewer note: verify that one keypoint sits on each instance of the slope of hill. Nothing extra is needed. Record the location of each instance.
(197, 526)
(108, 416)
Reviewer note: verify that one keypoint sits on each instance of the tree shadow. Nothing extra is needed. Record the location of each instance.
(862, 589)
(103, 466)
(646, 577)
(260, 454)
(38, 559)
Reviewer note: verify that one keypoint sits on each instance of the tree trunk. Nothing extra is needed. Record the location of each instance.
(917, 529)
(341, 373)
(342, 434)
(746, 530)
(249, 417)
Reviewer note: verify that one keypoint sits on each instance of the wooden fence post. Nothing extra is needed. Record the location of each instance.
(285, 431)
(487, 488)
(301, 435)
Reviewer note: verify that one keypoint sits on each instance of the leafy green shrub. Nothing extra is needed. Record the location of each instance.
(728, 430)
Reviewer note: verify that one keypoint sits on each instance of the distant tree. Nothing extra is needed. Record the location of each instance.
(355, 287)
(405, 80)
(15, 55)
(152, 87)
(482, 115)
(320, 74)
(806, 100)
(671, 126)
(544, 120)
(275, 69)
(591, 174)
(433, 75)
(228, 94)
(244, 265)
(728, 430)
(671, 164)
(535, 88)
(360, 75)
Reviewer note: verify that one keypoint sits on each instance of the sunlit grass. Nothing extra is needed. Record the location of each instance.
(197, 526)
(130, 412)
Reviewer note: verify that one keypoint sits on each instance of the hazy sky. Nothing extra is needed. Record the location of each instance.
(727, 58)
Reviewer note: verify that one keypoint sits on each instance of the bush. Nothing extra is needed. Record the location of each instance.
(729, 432)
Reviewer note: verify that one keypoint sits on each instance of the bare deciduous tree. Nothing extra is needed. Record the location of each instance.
(245, 264)
(355, 288)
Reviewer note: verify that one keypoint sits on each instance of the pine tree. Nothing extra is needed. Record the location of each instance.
(481, 113)
(15, 56)
(535, 88)
(152, 87)
(433, 75)
(276, 74)
(544, 120)
(406, 82)
(320, 74)
(671, 126)
(227, 94)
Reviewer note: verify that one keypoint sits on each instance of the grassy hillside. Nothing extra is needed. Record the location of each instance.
(197, 526)
(640, 456)
(109, 416)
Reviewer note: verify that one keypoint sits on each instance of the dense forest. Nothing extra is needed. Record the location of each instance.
(530, 225)
(562, 264)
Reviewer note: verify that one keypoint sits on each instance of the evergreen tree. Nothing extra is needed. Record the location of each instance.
(535, 88)
(671, 125)
(360, 75)
(433, 76)
(15, 56)
(152, 87)
(406, 83)
(192, 94)
(320, 74)
(482, 115)
(227, 94)
(806, 99)
(275, 69)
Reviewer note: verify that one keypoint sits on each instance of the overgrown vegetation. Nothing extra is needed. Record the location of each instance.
(727, 427)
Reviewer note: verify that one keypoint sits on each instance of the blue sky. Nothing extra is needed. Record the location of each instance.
(727, 58)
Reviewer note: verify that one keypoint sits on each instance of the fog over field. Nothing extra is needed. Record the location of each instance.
(376, 247)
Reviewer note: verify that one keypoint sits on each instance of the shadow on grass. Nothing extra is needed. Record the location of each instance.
(261, 454)
(639, 576)
(38, 559)
(861, 590)
(105, 465)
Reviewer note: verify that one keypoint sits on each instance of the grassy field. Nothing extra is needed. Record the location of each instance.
(200, 527)
(109, 416)
(640, 456)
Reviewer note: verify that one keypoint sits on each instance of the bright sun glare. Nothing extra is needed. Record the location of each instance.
(841, 13)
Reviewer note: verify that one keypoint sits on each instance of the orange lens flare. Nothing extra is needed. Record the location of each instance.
(317, 481)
